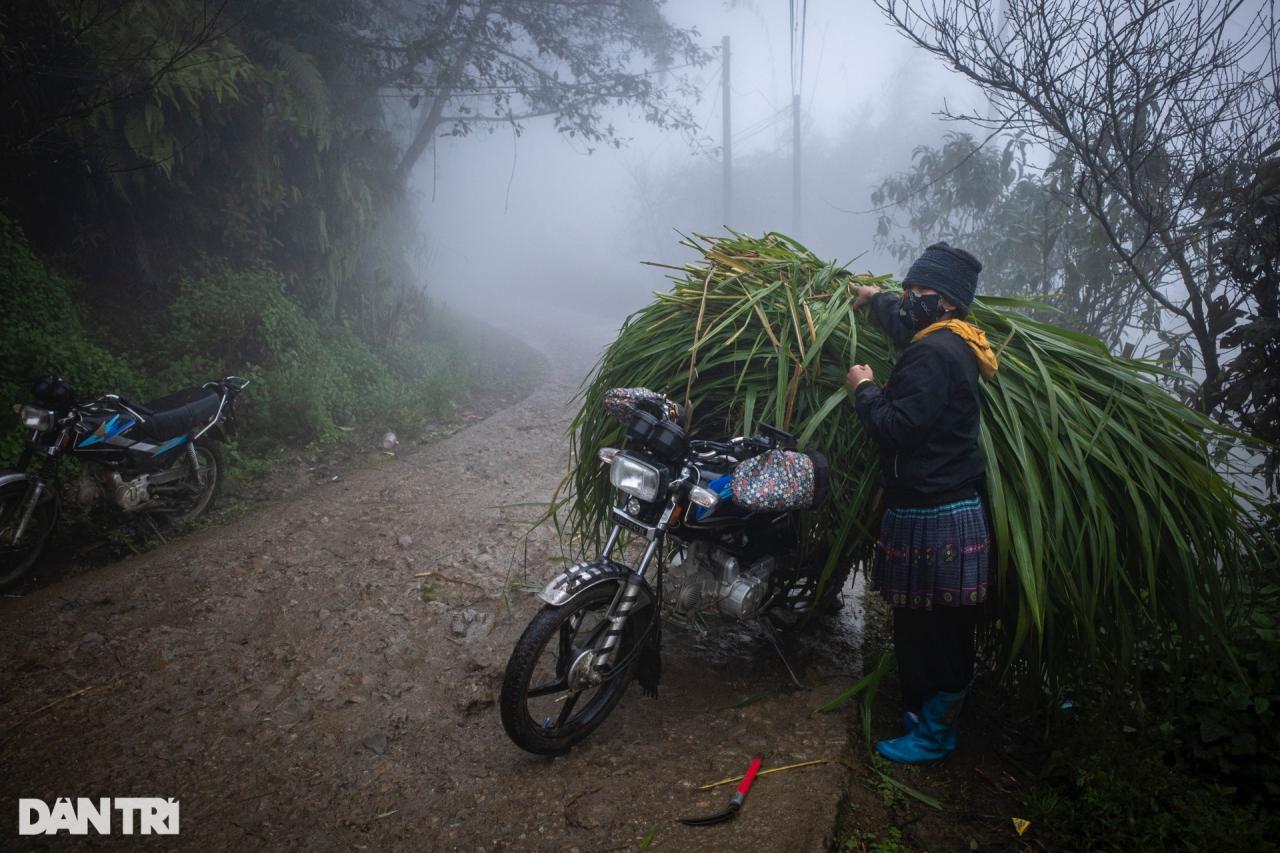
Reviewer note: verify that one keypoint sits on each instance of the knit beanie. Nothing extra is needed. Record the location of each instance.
(951, 272)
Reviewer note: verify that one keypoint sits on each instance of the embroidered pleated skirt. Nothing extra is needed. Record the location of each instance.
(932, 564)
(930, 556)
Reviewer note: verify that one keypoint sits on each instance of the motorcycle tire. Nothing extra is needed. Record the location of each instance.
(210, 458)
(541, 666)
(16, 563)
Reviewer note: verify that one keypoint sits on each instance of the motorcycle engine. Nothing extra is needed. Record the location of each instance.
(88, 490)
(130, 494)
(712, 578)
(127, 493)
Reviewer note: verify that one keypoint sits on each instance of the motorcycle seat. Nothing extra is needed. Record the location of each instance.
(177, 414)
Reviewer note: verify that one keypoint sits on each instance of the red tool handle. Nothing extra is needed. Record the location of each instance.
(745, 785)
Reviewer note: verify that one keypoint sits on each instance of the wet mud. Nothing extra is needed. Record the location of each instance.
(322, 673)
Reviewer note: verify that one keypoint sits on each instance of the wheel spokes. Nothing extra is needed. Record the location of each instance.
(560, 685)
(564, 657)
(567, 652)
(568, 708)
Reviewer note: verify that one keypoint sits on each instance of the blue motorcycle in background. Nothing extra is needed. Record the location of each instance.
(160, 459)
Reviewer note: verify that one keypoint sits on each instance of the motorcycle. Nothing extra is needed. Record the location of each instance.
(727, 513)
(160, 460)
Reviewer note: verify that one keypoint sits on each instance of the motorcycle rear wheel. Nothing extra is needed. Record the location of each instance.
(798, 610)
(17, 562)
(541, 711)
(197, 500)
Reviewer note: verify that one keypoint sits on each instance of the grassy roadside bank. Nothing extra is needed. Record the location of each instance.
(322, 395)
(261, 475)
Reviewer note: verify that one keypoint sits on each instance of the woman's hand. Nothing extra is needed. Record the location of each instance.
(858, 374)
(864, 291)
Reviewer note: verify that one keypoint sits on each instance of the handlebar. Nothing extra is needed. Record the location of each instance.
(735, 447)
(114, 402)
(231, 385)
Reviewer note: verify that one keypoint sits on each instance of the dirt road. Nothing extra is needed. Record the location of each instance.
(322, 674)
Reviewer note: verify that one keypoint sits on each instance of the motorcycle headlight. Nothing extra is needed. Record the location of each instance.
(40, 420)
(635, 477)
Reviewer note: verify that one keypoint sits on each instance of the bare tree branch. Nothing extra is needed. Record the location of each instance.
(1153, 101)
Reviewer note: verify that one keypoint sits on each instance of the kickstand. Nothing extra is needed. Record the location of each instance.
(777, 647)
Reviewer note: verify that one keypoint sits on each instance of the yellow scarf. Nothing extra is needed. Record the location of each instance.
(973, 336)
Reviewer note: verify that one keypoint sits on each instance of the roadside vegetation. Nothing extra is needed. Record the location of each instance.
(190, 190)
(1153, 224)
(312, 382)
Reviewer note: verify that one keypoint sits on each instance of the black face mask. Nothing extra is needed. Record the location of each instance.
(919, 311)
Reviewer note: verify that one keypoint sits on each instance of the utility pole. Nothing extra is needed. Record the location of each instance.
(727, 153)
(796, 213)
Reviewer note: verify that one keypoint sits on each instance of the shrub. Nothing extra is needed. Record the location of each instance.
(40, 333)
(1227, 721)
(1117, 793)
(309, 377)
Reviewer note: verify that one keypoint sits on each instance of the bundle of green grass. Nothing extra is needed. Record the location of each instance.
(1111, 525)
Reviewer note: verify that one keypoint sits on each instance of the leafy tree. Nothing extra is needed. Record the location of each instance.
(1150, 102)
(460, 64)
(156, 139)
(1250, 253)
(150, 136)
(1034, 238)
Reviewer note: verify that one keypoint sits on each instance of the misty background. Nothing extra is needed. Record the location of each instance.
(320, 190)
(550, 220)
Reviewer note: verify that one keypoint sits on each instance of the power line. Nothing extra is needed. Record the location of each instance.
(761, 125)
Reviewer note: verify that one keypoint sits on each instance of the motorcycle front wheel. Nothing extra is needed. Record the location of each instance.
(16, 561)
(547, 704)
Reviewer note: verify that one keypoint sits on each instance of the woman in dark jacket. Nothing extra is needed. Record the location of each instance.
(931, 560)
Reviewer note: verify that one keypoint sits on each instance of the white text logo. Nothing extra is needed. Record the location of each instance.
(136, 816)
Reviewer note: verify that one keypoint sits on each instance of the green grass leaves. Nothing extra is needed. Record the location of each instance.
(1111, 525)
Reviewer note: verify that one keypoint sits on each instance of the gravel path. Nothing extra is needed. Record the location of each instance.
(322, 674)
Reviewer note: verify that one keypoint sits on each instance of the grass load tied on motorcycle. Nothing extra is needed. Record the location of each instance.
(1108, 515)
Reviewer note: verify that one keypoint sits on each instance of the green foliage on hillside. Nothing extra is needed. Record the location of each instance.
(41, 332)
(215, 186)
(310, 376)
(150, 142)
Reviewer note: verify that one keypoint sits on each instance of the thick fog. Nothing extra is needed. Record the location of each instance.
(540, 219)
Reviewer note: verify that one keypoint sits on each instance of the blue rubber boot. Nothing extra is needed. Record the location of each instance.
(933, 739)
(910, 719)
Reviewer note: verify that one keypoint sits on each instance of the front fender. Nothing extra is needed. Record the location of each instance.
(7, 477)
(573, 580)
(51, 493)
(10, 476)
